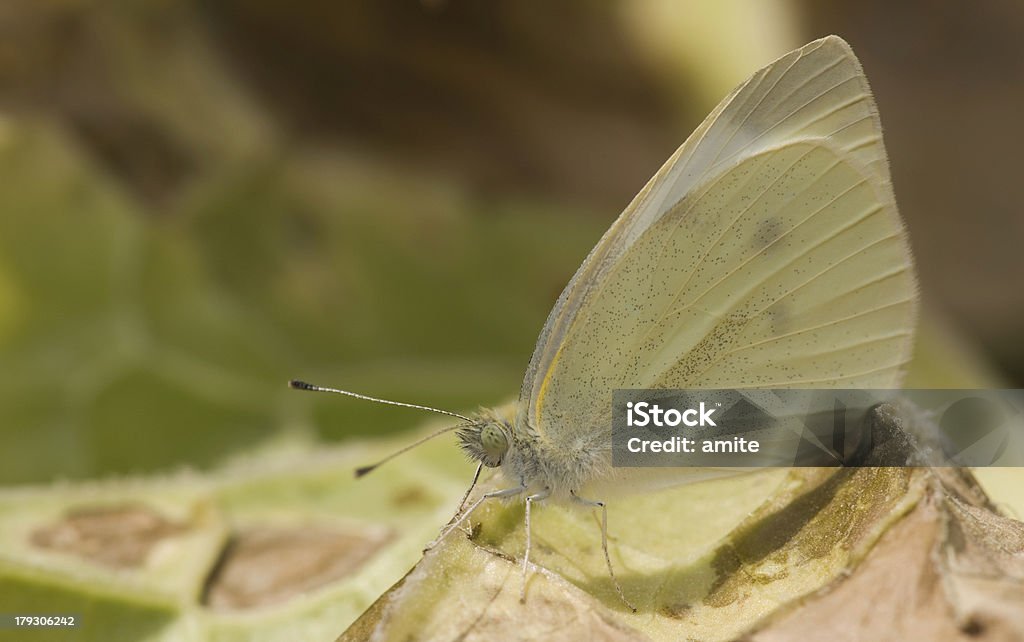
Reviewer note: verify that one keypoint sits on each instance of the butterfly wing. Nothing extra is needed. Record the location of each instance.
(767, 251)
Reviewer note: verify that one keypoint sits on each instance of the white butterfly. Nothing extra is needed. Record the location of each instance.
(766, 252)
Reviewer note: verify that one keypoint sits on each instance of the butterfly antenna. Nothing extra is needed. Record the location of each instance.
(362, 470)
(302, 385)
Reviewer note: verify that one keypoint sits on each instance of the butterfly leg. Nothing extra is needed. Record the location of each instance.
(604, 543)
(544, 494)
(472, 485)
(507, 492)
(465, 496)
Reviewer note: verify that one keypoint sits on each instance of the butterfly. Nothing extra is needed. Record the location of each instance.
(766, 252)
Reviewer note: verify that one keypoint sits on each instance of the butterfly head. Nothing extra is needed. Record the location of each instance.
(486, 440)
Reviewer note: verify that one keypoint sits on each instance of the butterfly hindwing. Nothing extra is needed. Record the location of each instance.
(766, 252)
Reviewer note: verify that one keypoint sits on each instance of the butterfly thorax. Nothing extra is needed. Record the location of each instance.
(525, 458)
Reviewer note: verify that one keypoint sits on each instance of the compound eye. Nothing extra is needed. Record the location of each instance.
(495, 444)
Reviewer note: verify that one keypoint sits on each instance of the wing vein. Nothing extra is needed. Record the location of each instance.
(820, 326)
(718, 357)
(756, 106)
(778, 122)
(896, 365)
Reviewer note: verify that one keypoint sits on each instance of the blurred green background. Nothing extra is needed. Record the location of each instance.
(199, 201)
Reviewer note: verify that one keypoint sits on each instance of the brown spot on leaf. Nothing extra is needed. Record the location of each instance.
(119, 536)
(676, 610)
(270, 565)
(408, 496)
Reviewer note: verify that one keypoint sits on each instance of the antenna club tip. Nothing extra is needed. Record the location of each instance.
(300, 385)
(362, 470)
